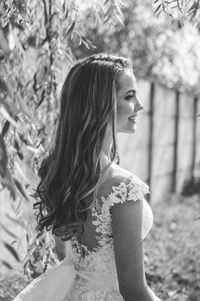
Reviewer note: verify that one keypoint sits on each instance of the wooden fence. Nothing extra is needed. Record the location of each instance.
(164, 151)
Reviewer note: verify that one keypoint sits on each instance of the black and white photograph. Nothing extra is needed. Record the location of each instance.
(99, 150)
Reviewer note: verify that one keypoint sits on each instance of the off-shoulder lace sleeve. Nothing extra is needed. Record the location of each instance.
(133, 189)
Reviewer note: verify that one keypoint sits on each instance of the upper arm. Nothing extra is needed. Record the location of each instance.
(128, 245)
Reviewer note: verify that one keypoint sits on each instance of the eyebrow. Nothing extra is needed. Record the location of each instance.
(133, 91)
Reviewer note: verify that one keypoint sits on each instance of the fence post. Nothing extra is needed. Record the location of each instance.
(194, 138)
(151, 131)
(175, 160)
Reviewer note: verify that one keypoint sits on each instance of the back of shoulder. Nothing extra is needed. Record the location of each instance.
(121, 175)
(116, 176)
(122, 185)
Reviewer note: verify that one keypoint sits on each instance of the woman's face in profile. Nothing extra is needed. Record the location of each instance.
(128, 103)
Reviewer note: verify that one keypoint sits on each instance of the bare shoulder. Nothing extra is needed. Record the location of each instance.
(122, 184)
(116, 176)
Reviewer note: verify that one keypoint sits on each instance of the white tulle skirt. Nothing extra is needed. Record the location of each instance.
(64, 283)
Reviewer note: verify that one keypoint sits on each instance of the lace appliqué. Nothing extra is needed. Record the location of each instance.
(134, 190)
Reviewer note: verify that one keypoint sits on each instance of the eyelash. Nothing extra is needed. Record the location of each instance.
(129, 97)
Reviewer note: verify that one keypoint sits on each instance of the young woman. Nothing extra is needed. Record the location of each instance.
(88, 199)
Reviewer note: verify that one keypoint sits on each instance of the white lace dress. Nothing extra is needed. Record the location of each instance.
(94, 277)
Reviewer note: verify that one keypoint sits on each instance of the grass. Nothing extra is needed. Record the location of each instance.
(9, 287)
(172, 257)
(172, 249)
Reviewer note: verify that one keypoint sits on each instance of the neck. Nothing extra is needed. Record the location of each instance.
(105, 157)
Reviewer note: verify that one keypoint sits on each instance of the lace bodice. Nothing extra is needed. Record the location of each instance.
(101, 262)
(134, 190)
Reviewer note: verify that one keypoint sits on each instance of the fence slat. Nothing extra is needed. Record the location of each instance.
(194, 132)
(175, 163)
(151, 132)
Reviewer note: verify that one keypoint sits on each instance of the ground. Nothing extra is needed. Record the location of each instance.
(172, 248)
(172, 257)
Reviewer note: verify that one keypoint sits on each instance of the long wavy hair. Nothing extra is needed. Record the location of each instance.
(71, 173)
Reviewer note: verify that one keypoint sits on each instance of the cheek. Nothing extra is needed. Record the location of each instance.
(123, 111)
(120, 113)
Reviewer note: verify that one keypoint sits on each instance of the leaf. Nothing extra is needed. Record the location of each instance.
(23, 139)
(157, 9)
(170, 2)
(11, 40)
(21, 6)
(161, 11)
(5, 176)
(3, 157)
(3, 85)
(5, 128)
(7, 182)
(191, 16)
(6, 114)
(16, 221)
(67, 13)
(87, 42)
(2, 11)
(70, 28)
(20, 155)
(2, 56)
(11, 250)
(195, 218)
(6, 264)
(8, 231)
(108, 14)
(16, 145)
(119, 19)
(118, 9)
(32, 149)
(21, 189)
(25, 109)
(18, 207)
(18, 167)
(3, 42)
(193, 11)
(123, 4)
(193, 7)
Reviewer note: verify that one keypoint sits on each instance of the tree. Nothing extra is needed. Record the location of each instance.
(181, 9)
(161, 48)
(35, 39)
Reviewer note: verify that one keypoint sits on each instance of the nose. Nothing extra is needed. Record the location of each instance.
(139, 106)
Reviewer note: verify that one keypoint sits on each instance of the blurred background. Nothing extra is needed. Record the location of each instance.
(39, 42)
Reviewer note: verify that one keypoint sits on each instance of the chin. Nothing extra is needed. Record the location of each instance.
(128, 130)
(133, 130)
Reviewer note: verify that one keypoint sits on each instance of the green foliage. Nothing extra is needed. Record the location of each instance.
(164, 49)
(40, 254)
(36, 39)
(40, 38)
(192, 186)
(185, 10)
(172, 249)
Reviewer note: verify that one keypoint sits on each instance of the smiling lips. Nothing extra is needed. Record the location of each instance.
(132, 118)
